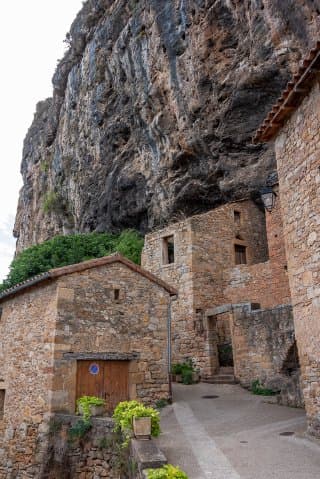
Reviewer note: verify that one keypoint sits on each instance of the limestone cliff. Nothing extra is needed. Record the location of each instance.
(153, 110)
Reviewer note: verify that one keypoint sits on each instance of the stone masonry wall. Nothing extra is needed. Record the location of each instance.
(267, 282)
(262, 340)
(204, 249)
(26, 355)
(214, 235)
(90, 320)
(298, 158)
(41, 330)
(96, 455)
(179, 275)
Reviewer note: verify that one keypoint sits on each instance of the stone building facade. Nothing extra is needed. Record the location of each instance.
(97, 328)
(294, 123)
(230, 255)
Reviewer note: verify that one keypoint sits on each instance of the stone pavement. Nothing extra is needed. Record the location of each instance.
(236, 436)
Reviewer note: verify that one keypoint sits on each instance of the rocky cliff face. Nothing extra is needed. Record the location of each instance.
(153, 110)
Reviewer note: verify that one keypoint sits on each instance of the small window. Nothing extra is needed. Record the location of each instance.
(2, 397)
(240, 254)
(237, 217)
(168, 250)
(116, 294)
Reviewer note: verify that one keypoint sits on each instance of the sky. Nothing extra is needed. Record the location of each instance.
(31, 42)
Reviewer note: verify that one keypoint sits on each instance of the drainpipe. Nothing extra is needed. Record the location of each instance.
(172, 298)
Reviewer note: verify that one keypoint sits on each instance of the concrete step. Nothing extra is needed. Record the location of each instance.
(224, 376)
(226, 370)
(218, 380)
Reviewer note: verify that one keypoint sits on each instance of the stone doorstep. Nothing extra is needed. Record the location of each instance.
(147, 455)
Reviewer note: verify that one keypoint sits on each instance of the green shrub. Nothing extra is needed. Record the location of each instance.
(176, 368)
(85, 402)
(44, 166)
(125, 412)
(185, 369)
(71, 249)
(166, 472)
(79, 429)
(258, 389)
(187, 376)
(51, 202)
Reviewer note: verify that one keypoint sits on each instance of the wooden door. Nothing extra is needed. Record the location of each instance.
(105, 379)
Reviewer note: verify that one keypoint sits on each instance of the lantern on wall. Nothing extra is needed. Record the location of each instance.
(268, 198)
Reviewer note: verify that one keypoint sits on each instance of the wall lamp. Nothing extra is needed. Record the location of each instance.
(268, 198)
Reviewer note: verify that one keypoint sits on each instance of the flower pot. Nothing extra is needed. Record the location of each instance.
(142, 427)
(94, 410)
(179, 378)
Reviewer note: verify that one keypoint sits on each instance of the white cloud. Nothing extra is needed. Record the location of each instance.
(31, 41)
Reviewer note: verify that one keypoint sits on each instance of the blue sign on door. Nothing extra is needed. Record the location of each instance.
(94, 368)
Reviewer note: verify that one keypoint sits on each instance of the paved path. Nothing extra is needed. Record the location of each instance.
(236, 436)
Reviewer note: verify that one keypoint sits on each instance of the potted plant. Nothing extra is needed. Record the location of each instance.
(166, 472)
(142, 427)
(127, 417)
(90, 406)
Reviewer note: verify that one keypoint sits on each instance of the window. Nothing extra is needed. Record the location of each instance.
(240, 254)
(237, 217)
(2, 396)
(168, 250)
(116, 294)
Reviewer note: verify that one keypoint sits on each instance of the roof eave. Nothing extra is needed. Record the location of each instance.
(294, 93)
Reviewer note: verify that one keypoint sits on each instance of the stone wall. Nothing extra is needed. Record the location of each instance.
(262, 340)
(214, 236)
(91, 320)
(205, 273)
(45, 329)
(297, 151)
(96, 455)
(179, 274)
(267, 282)
(27, 330)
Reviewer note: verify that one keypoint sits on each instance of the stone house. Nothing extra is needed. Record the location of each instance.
(95, 328)
(220, 261)
(294, 125)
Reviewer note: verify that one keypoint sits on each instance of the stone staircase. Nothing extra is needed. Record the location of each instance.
(224, 376)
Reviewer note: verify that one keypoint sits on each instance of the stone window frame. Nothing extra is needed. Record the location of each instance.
(238, 242)
(237, 217)
(117, 293)
(164, 252)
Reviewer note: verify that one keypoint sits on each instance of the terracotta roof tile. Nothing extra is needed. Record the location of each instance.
(297, 88)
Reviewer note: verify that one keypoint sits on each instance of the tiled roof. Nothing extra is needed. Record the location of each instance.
(92, 263)
(297, 88)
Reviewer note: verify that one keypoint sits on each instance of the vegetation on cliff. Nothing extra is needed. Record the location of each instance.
(71, 249)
